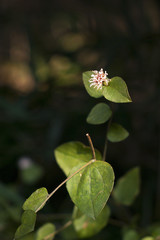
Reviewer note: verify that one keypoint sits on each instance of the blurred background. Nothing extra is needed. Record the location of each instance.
(44, 48)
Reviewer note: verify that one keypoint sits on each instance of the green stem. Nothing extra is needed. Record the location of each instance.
(67, 179)
(106, 140)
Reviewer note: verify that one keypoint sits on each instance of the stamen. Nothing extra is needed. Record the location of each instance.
(99, 78)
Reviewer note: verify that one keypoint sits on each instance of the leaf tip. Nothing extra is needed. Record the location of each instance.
(129, 99)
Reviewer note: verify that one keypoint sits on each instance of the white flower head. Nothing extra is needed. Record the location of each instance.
(99, 78)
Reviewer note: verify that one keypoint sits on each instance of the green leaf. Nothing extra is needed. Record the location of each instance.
(99, 114)
(70, 154)
(91, 187)
(36, 199)
(28, 223)
(131, 234)
(116, 91)
(127, 187)
(45, 230)
(93, 92)
(117, 133)
(87, 227)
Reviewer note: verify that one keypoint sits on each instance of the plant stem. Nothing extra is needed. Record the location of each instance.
(91, 145)
(67, 179)
(106, 140)
(58, 230)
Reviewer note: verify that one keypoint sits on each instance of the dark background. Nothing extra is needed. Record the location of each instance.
(44, 48)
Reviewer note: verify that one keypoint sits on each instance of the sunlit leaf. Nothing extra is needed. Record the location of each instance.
(93, 92)
(45, 230)
(127, 187)
(70, 154)
(117, 133)
(99, 114)
(91, 187)
(28, 223)
(117, 91)
(36, 199)
(88, 227)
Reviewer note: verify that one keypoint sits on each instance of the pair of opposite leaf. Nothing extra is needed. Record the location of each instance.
(115, 89)
(98, 84)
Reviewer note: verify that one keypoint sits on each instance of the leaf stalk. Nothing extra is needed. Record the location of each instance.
(60, 185)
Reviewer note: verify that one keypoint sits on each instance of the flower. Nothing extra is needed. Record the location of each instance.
(99, 78)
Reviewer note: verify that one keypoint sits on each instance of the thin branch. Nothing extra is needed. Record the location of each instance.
(67, 179)
(91, 145)
(51, 235)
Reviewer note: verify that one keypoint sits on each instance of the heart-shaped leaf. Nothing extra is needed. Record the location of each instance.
(87, 227)
(99, 114)
(93, 92)
(36, 199)
(116, 91)
(117, 133)
(91, 187)
(45, 230)
(127, 187)
(28, 223)
(70, 154)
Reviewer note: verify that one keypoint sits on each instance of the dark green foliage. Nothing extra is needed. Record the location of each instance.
(127, 187)
(117, 133)
(27, 224)
(99, 114)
